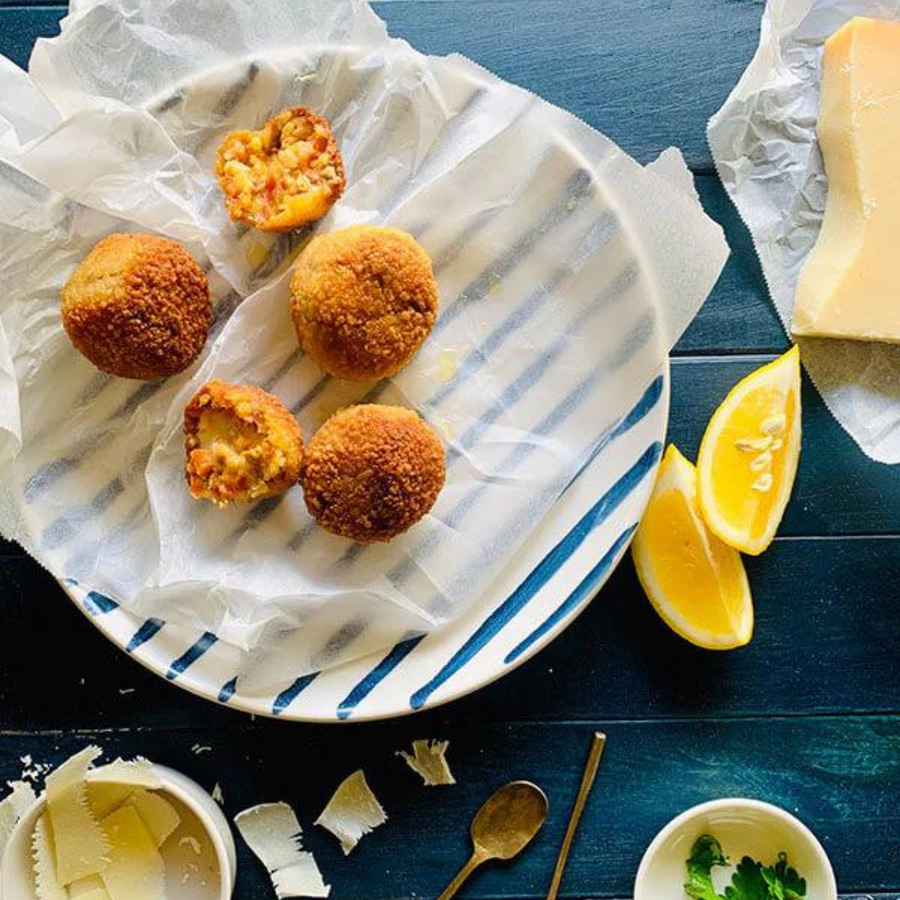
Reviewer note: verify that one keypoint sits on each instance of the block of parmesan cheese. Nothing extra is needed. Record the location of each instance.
(850, 285)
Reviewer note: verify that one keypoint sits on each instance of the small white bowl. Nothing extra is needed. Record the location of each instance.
(744, 828)
(199, 856)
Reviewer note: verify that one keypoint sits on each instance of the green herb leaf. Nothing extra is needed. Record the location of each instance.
(706, 853)
(748, 883)
(751, 880)
(784, 883)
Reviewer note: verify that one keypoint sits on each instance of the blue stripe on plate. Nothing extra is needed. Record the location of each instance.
(191, 655)
(287, 696)
(97, 604)
(363, 688)
(584, 590)
(147, 631)
(226, 692)
(545, 570)
(648, 400)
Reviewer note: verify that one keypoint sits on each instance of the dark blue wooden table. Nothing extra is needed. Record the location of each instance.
(807, 717)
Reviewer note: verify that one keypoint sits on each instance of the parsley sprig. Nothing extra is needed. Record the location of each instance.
(750, 881)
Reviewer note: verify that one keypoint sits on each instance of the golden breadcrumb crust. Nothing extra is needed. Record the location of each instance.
(363, 299)
(241, 443)
(138, 306)
(371, 472)
(285, 175)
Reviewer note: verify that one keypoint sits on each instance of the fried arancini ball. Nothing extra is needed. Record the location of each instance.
(138, 306)
(285, 175)
(371, 472)
(363, 299)
(242, 444)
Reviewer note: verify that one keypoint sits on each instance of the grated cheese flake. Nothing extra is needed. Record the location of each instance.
(156, 813)
(80, 845)
(190, 841)
(136, 870)
(272, 832)
(352, 812)
(428, 759)
(46, 882)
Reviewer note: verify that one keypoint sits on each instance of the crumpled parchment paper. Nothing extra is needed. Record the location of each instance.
(91, 466)
(763, 141)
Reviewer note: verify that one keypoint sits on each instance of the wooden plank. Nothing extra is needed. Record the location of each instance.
(20, 26)
(841, 776)
(639, 70)
(825, 643)
(738, 317)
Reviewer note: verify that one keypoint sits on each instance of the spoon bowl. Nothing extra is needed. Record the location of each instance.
(509, 820)
(503, 827)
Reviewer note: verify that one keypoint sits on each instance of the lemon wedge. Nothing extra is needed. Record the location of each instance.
(696, 582)
(748, 456)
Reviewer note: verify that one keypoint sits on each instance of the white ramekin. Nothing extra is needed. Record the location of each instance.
(205, 875)
(744, 828)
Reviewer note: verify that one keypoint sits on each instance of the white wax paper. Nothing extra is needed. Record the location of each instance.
(92, 466)
(763, 140)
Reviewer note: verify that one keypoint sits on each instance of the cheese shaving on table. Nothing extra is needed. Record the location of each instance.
(46, 882)
(136, 870)
(156, 813)
(80, 845)
(272, 832)
(13, 808)
(217, 794)
(428, 760)
(352, 812)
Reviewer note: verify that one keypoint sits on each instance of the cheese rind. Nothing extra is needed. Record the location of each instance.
(850, 284)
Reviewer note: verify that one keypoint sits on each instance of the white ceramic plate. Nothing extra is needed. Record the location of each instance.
(567, 557)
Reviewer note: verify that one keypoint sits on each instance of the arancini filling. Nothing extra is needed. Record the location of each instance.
(231, 460)
(282, 176)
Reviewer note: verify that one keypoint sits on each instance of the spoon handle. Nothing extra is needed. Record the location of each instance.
(474, 862)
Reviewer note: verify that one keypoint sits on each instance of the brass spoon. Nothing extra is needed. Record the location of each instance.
(503, 827)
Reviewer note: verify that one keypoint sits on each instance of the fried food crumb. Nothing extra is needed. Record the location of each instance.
(371, 472)
(242, 444)
(138, 306)
(285, 175)
(363, 300)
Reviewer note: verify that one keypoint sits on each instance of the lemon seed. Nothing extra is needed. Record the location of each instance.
(753, 445)
(774, 425)
(763, 484)
(762, 462)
